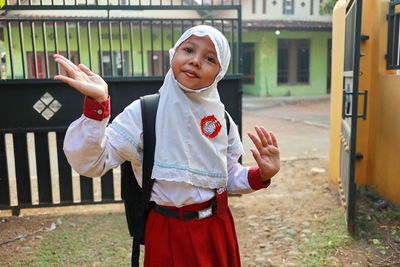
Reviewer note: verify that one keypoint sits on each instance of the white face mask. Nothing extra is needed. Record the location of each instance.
(191, 144)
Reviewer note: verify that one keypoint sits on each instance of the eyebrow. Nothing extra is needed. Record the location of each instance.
(209, 50)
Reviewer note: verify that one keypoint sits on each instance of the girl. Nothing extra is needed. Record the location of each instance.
(195, 160)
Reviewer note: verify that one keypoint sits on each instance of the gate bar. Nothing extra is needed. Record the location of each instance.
(78, 39)
(56, 44)
(21, 37)
(10, 42)
(100, 48)
(121, 51)
(89, 44)
(46, 56)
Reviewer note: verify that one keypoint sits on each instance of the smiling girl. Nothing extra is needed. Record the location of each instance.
(195, 162)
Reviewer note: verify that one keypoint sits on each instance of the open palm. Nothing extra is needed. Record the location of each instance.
(82, 79)
(266, 153)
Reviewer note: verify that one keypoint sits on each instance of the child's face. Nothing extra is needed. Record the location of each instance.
(195, 64)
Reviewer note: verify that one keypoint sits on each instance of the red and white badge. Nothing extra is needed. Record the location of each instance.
(210, 126)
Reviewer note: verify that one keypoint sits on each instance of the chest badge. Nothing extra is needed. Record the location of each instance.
(210, 126)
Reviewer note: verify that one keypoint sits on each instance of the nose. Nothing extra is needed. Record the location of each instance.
(195, 61)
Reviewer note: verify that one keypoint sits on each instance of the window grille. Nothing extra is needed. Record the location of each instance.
(288, 7)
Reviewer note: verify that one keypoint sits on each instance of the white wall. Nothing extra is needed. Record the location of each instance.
(275, 12)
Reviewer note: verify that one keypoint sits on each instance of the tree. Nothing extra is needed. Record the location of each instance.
(327, 7)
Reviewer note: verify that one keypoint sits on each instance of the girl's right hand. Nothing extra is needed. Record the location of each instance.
(82, 79)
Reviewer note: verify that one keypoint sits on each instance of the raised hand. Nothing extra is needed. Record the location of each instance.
(267, 152)
(82, 79)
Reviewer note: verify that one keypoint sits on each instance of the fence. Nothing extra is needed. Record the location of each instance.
(130, 52)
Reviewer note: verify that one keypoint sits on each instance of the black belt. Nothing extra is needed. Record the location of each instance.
(187, 215)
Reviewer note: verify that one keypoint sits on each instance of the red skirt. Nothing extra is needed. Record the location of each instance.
(171, 242)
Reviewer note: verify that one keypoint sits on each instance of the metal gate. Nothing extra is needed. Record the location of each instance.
(348, 154)
(125, 41)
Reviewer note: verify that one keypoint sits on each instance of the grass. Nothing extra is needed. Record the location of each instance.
(375, 231)
(329, 234)
(95, 240)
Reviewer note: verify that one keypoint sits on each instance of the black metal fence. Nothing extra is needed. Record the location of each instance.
(118, 4)
(132, 55)
(110, 47)
(392, 56)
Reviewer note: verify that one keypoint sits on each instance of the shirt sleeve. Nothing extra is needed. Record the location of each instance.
(92, 148)
(241, 180)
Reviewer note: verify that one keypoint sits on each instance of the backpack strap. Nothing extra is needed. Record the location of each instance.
(149, 106)
(228, 122)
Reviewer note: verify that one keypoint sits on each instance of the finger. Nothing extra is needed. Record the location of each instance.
(67, 61)
(272, 150)
(273, 138)
(257, 157)
(267, 135)
(65, 66)
(71, 82)
(256, 142)
(86, 70)
(261, 136)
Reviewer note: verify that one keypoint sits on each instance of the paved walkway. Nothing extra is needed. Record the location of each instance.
(300, 123)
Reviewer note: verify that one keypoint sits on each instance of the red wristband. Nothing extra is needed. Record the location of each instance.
(96, 110)
(254, 179)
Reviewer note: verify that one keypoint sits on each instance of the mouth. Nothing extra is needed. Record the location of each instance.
(191, 74)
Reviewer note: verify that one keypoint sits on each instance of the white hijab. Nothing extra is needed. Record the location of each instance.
(191, 145)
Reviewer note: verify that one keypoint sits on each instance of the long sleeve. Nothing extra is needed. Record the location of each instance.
(92, 148)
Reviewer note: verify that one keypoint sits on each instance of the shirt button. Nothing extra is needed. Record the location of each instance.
(99, 111)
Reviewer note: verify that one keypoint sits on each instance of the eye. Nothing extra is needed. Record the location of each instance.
(188, 49)
(210, 59)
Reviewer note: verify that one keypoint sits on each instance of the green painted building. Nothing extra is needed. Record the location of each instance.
(286, 48)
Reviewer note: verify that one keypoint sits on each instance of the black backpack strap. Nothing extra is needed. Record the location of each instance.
(149, 106)
(228, 122)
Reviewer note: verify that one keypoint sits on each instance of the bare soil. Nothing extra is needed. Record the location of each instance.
(273, 224)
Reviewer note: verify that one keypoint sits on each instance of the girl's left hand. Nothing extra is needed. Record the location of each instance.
(267, 153)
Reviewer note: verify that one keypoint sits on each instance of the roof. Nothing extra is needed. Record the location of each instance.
(293, 25)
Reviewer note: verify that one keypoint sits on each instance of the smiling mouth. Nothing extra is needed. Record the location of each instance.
(191, 74)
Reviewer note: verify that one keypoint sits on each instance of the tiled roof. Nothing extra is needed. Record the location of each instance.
(294, 25)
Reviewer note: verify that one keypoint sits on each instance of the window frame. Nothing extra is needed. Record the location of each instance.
(293, 46)
(285, 5)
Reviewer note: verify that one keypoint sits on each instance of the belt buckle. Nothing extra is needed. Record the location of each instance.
(202, 214)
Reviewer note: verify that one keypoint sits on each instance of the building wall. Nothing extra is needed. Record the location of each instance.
(266, 63)
(275, 12)
(338, 31)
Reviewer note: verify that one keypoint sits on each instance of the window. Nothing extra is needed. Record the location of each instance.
(311, 7)
(293, 61)
(248, 63)
(254, 6)
(288, 7)
(264, 6)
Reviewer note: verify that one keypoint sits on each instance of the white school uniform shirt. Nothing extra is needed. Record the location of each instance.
(92, 148)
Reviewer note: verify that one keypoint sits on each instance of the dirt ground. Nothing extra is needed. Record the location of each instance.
(272, 223)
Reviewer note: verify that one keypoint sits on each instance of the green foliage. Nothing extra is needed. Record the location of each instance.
(329, 235)
(327, 7)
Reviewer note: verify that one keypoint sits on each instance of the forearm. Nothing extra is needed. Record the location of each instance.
(87, 146)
